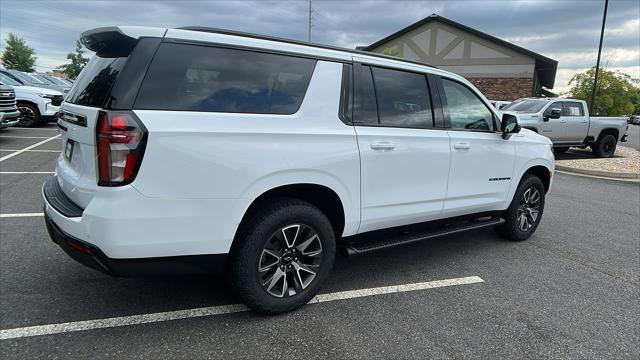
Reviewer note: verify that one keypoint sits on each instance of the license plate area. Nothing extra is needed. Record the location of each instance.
(68, 150)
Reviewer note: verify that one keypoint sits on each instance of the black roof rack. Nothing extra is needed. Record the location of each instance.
(298, 42)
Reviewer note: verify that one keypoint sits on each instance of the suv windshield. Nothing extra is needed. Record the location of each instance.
(526, 106)
(42, 79)
(25, 78)
(8, 80)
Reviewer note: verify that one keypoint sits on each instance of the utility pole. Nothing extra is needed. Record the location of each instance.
(309, 33)
(595, 80)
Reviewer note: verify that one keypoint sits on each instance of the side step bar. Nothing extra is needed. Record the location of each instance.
(369, 246)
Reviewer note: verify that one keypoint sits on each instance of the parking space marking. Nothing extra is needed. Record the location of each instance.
(28, 148)
(25, 172)
(35, 129)
(47, 151)
(21, 215)
(68, 327)
(23, 137)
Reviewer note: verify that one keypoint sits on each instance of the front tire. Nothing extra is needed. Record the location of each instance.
(29, 115)
(525, 211)
(605, 147)
(283, 253)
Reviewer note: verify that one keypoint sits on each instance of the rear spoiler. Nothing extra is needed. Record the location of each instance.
(117, 41)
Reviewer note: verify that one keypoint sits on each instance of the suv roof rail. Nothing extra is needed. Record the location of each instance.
(298, 42)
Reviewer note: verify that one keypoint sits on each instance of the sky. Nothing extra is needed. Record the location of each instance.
(567, 31)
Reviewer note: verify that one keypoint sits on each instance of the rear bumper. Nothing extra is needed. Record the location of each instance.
(91, 256)
(91, 238)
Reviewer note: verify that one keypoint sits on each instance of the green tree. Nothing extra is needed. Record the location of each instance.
(17, 55)
(392, 52)
(617, 93)
(78, 61)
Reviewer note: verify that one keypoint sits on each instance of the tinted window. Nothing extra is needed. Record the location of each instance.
(200, 78)
(93, 85)
(5, 79)
(526, 106)
(364, 101)
(466, 110)
(403, 98)
(555, 105)
(572, 109)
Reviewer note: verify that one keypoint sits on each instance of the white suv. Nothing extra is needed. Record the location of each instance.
(187, 149)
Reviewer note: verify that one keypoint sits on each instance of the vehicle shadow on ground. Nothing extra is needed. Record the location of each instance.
(433, 259)
(578, 154)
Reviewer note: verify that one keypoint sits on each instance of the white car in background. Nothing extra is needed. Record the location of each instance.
(36, 104)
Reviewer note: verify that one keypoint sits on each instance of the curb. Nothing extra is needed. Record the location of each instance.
(614, 175)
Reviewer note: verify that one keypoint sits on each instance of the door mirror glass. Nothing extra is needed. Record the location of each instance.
(509, 125)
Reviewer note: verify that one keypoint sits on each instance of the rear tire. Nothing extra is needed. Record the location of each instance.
(29, 115)
(605, 147)
(523, 215)
(271, 269)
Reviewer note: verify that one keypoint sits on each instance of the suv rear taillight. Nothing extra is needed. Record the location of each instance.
(120, 139)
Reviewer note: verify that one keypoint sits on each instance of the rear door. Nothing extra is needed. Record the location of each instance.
(404, 157)
(576, 119)
(481, 160)
(108, 81)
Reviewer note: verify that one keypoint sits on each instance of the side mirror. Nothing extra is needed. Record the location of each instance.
(554, 114)
(509, 125)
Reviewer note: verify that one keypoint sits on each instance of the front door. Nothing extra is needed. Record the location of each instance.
(554, 129)
(481, 160)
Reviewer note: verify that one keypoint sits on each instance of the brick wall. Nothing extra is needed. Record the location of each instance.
(508, 89)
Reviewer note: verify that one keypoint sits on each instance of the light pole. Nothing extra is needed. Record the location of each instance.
(595, 80)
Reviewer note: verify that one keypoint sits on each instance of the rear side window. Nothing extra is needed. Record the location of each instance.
(364, 97)
(403, 98)
(202, 78)
(572, 109)
(93, 85)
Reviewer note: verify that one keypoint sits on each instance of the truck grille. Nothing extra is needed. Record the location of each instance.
(57, 100)
(7, 100)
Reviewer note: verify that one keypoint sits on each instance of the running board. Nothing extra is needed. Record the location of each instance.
(357, 249)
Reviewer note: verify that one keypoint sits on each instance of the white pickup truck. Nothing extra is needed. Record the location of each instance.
(567, 123)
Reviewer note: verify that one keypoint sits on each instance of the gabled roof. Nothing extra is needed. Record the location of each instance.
(545, 66)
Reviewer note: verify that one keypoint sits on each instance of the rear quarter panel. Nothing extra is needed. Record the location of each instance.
(599, 123)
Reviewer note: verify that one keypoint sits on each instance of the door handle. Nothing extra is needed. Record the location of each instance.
(563, 121)
(383, 145)
(462, 146)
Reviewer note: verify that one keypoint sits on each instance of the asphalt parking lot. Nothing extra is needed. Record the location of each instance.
(571, 291)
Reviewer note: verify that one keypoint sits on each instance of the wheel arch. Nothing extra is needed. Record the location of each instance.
(609, 131)
(543, 173)
(320, 196)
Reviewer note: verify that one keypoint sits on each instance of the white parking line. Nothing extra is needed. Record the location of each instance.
(21, 215)
(215, 310)
(35, 129)
(23, 137)
(28, 148)
(44, 151)
(25, 172)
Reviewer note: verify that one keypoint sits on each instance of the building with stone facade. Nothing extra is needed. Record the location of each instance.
(500, 69)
